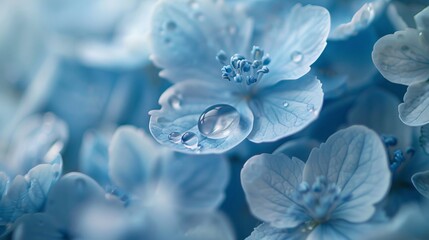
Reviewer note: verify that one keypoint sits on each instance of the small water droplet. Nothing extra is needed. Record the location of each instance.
(175, 102)
(219, 121)
(310, 107)
(190, 140)
(285, 104)
(175, 137)
(297, 57)
(170, 26)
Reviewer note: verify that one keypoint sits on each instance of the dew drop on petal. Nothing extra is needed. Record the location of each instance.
(285, 104)
(175, 137)
(297, 56)
(219, 121)
(175, 102)
(190, 140)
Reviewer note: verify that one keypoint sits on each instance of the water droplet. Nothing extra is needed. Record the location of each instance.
(285, 104)
(175, 102)
(310, 107)
(218, 121)
(175, 137)
(297, 57)
(190, 140)
(170, 26)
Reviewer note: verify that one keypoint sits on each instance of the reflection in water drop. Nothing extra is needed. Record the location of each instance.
(297, 57)
(190, 140)
(175, 137)
(219, 121)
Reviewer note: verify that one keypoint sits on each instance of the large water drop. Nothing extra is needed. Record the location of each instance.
(219, 121)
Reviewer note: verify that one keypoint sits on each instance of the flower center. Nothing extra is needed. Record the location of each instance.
(396, 156)
(319, 200)
(239, 69)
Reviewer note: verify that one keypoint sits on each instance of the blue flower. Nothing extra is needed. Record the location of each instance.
(225, 90)
(331, 196)
(30, 165)
(403, 58)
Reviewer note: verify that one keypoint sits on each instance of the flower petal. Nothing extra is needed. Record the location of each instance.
(267, 232)
(38, 226)
(402, 57)
(187, 35)
(133, 159)
(198, 182)
(285, 108)
(297, 44)
(356, 161)
(421, 182)
(268, 180)
(414, 111)
(182, 105)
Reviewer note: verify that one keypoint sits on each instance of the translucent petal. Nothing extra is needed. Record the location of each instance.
(285, 108)
(68, 197)
(187, 35)
(94, 156)
(268, 181)
(267, 232)
(198, 182)
(414, 111)
(27, 194)
(356, 161)
(421, 182)
(296, 44)
(133, 160)
(402, 57)
(181, 107)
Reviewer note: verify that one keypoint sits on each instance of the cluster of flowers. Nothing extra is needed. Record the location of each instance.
(277, 119)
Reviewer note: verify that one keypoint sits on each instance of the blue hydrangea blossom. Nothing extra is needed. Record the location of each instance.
(330, 196)
(403, 58)
(226, 90)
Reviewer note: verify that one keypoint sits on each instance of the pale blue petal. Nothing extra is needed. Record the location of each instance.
(377, 109)
(133, 159)
(424, 138)
(360, 20)
(267, 232)
(181, 107)
(94, 157)
(356, 161)
(414, 111)
(402, 57)
(186, 37)
(197, 182)
(27, 194)
(268, 181)
(38, 226)
(285, 108)
(297, 44)
(421, 182)
(422, 19)
(69, 195)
